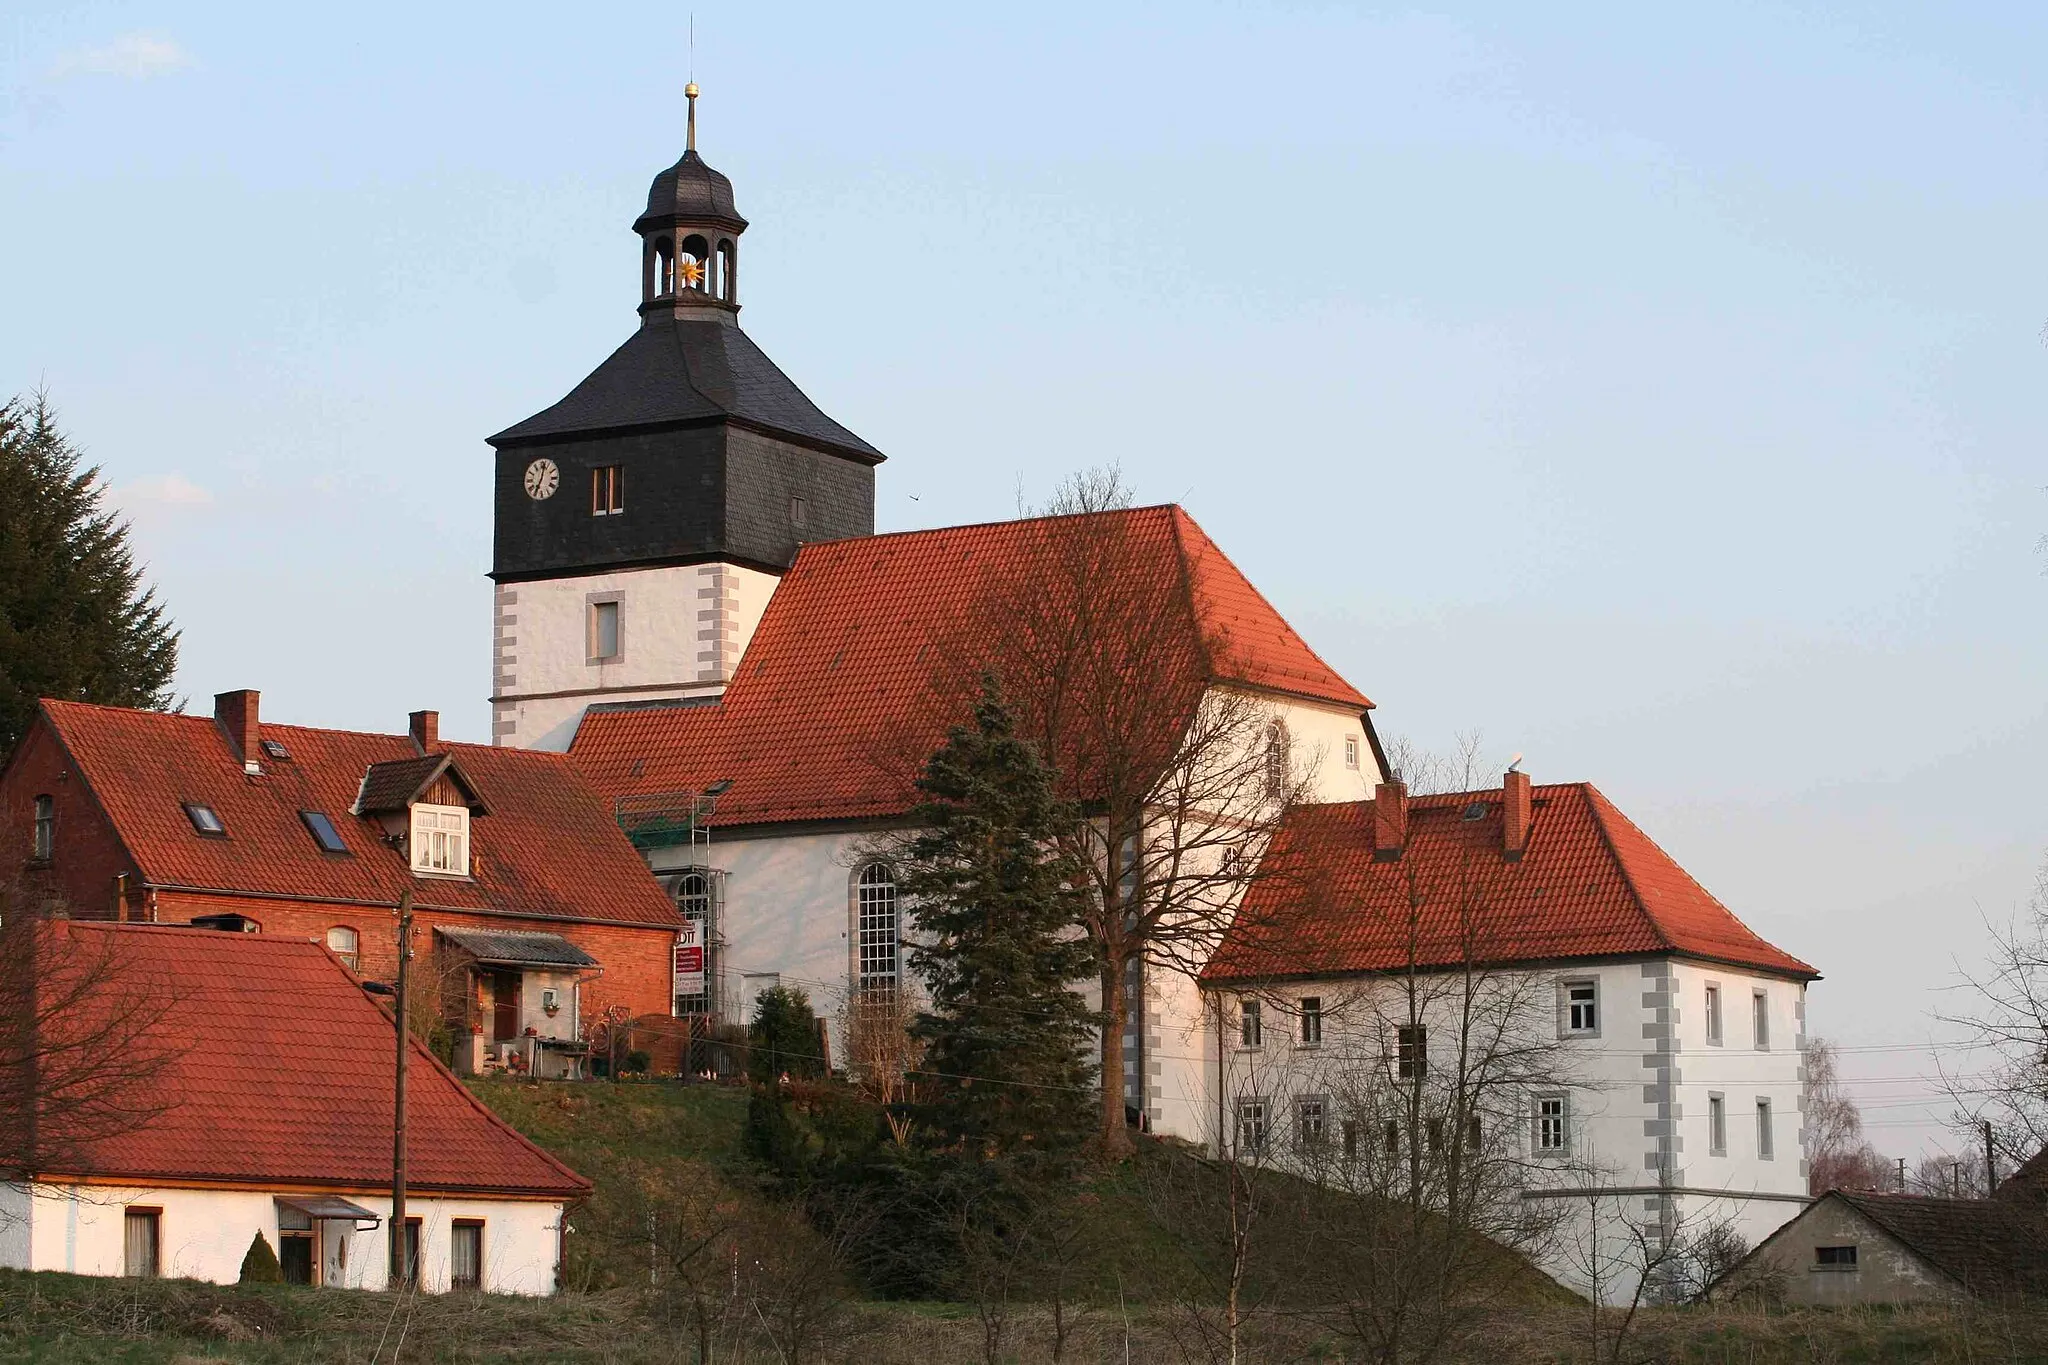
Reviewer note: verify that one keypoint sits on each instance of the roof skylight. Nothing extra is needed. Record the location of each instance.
(323, 831)
(204, 818)
(276, 749)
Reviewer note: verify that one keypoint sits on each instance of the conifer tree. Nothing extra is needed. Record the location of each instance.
(992, 903)
(259, 1264)
(76, 620)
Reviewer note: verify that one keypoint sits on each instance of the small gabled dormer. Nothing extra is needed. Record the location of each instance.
(424, 806)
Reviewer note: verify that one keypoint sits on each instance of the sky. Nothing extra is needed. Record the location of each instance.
(1660, 396)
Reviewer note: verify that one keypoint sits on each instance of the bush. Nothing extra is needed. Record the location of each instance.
(637, 1062)
(260, 1265)
(784, 1037)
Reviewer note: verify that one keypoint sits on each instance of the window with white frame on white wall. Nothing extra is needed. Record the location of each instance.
(1250, 1026)
(1765, 1147)
(1251, 1123)
(1579, 1007)
(605, 638)
(1714, 1013)
(1760, 1019)
(1553, 1124)
(1351, 752)
(878, 966)
(1717, 1125)
(439, 840)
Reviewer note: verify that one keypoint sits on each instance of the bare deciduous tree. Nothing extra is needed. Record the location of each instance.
(1837, 1156)
(881, 1056)
(2007, 1020)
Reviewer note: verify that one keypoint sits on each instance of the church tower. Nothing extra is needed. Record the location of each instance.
(642, 521)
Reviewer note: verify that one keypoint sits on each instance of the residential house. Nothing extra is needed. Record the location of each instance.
(188, 1089)
(1866, 1247)
(1655, 1040)
(532, 912)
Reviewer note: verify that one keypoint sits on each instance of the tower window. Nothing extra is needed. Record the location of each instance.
(725, 265)
(607, 490)
(799, 513)
(46, 829)
(695, 263)
(664, 268)
(604, 631)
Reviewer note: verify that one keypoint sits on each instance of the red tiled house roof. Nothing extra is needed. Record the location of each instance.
(277, 1070)
(548, 848)
(1589, 884)
(838, 682)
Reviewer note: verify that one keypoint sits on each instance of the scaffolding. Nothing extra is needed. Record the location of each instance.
(679, 823)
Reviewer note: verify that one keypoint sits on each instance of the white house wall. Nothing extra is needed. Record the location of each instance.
(682, 629)
(204, 1234)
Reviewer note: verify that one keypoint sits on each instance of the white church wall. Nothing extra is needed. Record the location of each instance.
(682, 629)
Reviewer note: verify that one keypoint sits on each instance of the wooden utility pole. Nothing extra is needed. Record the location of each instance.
(399, 1276)
(1990, 1162)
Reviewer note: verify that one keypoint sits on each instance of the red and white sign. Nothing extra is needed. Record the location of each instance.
(689, 963)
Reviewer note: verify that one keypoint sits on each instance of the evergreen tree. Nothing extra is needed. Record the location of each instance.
(783, 1038)
(259, 1265)
(76, 620)
(993, 902)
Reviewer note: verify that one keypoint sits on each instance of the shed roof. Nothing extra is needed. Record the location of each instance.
(508, 948)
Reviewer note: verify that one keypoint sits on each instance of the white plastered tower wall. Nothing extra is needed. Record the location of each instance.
(682, 630)
(1637, 1089)
(205, 1233)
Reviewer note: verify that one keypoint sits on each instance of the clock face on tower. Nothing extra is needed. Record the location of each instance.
(541, 478)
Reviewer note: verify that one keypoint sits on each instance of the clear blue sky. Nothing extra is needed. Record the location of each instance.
(1660, 395)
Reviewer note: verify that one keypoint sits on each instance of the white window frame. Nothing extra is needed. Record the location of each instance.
(1311, 1120)
(1760, 1018)
(1571, 1012)
(595, 607)
(877, 929)
(1766, 1139)
(352, 955)
(1552, 1119)
(439, 843)
(1254, 1127)
(1351, 752)
(1717, 1124)
(1713, 1013)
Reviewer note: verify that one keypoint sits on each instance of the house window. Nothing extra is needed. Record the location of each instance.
(295, 1244)
(876, 926)
(1475, 1136)
(604, 631)
(346, 945)
(1760, 1014)
(607, 490)
(1250, 1030)
(1351, 752)
(1276, 760)
(799, 513)
(1713, 1014)
(142, 1243)
(205, 820)
(1251, 1124)
(1717, 1125)
(1390, 1138)
(1582, 1008)
(323, 831)
(46, 829)
(466, 1254)
(1553, 1118)
(1309, 1111)
(1351, 1139)
(1764, 1148)
(440, 840)
(409, 1273)
(1311, 1020)
(1411, 1050)
(1834, 1258)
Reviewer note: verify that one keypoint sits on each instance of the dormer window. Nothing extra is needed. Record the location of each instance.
(205, 820)
(440, 840)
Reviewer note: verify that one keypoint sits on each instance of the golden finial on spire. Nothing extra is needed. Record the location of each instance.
(690, 94)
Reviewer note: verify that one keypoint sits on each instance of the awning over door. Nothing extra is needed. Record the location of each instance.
(330, 1206)
(510, 948)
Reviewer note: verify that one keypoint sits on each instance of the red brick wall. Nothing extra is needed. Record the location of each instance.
(635, 960)
(87, 857)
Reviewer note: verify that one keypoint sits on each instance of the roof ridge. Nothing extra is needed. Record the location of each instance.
(993, 521)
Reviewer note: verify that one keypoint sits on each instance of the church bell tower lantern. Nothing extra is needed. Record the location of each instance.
(689, 238)
(642, 522)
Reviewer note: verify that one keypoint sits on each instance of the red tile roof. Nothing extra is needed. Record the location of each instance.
(280, 1073)
(838, 684)
(548, 847)
(1589, 884)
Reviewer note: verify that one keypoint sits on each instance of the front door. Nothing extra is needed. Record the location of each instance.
(295, 1257)
(504, 1006)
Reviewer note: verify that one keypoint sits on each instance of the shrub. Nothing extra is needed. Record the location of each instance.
(638, 1062)
(260, 1265)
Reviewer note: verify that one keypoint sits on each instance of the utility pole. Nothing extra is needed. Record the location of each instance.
(1990, 1161)
(1902, 1175)
(399, 1276)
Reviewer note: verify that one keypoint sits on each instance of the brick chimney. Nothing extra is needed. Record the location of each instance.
(235, 713)
(426, 730)
(1514, 814)
(1389, 821)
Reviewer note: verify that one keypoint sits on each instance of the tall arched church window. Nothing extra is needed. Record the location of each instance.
(693, 895)
(877, 931)
(1276, 759)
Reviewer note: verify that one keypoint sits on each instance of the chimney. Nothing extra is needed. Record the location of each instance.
(1389, 821)
(426, 730)
(235, 712)
(1514, 814)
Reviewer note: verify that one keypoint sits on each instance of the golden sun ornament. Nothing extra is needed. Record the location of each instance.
(691, 271)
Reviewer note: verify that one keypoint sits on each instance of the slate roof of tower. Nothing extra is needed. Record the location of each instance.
(837, 684)
(548, 848)
(277, 1071)
(672, 372)
(690, 189)
(1590, 884)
